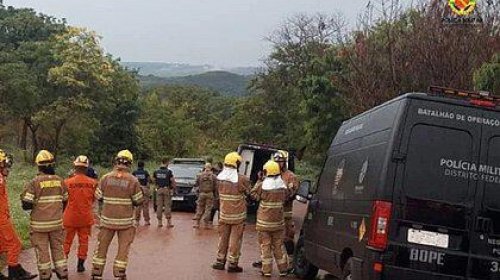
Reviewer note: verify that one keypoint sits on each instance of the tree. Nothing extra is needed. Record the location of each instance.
(488, 76)
(299, 103)
(24, 56)
(116, 111)
(409, 50)
(82, 71)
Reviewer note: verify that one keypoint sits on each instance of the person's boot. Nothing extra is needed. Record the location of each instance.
(257, 264)
(267, 274)
(169, 223)
(19, 273)
(219, 265)
(160, 223)
(234, 268)
(60, 277)
(81, 265)
(147, 223)
(284, 273)
(196, 224)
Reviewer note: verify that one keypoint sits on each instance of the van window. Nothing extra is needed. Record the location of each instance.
(431, 166)
(331, 177)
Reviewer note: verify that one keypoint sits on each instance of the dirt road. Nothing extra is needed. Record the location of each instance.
(181, 253)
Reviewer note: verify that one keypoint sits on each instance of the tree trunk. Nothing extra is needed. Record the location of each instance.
(23, 143)
(34, 139)
(59, 128)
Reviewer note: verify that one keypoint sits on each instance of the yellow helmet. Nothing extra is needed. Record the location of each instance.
(6, 159)
(280, 156)
(272, 168)
(232, 159)
(3, 156)
(125, 156)
(81, 161)
(44, 158)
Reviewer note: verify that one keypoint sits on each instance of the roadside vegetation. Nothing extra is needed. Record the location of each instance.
(60, 91)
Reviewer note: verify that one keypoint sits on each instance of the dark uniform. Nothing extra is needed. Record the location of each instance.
(164, 192)
(144, 178)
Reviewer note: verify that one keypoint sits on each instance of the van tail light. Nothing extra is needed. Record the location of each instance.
(379, 229)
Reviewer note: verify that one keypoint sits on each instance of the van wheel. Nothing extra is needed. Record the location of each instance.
(346, 272)
(301, 266)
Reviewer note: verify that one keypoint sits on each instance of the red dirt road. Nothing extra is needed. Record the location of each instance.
(180, 253)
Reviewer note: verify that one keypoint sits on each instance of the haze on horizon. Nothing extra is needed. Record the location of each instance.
(222, 33)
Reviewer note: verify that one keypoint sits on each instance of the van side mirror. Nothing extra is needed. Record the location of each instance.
(303, 193)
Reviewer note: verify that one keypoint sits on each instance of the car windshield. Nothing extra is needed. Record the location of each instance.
(185, 170)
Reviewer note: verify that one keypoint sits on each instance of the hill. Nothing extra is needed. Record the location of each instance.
(226, 83)
(165, 70)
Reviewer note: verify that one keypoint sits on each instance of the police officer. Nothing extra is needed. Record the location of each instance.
(233, 189)
(10, 244)
(165, 189)
(120, 191)
(91, 171)
(144, 179)
(46, 196)
(206, 182)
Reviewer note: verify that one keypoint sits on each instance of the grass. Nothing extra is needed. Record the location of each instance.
(16, 181)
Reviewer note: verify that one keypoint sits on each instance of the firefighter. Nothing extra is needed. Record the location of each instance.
(292, 183)
(206, 183)
(272, 194)
(46, 196)
(232, 189)
(165, 189)
(120, 192)
(10, 244)
(78, 215)
(144, 179)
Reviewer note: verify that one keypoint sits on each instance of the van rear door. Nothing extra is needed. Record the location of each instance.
(485, 236)
(434, 197)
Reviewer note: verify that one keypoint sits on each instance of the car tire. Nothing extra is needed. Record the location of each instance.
(303, 269)
(347, 270)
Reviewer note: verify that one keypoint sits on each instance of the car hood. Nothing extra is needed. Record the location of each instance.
(185, 181)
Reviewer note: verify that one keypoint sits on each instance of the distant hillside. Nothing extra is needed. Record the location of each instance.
(166, 70)
(221, 81)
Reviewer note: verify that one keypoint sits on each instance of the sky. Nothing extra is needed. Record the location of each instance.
(224, 33)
